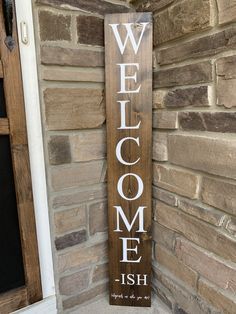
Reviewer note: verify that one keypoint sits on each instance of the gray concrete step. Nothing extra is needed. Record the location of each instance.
(102, 306)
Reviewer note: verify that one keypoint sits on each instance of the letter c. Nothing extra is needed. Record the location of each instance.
(118, 150)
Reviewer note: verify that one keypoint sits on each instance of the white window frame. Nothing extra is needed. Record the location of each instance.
(36, 152)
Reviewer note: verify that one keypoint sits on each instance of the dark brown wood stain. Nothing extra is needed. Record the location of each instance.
(14, 125)
(139, 109)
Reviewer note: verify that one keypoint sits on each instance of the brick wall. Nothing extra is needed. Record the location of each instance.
(194, 149)
(194, 153)
(69, 37)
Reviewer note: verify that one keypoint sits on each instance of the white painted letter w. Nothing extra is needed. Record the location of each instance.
(129, 35)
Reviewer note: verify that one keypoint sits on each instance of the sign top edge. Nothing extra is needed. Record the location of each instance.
(128, 14)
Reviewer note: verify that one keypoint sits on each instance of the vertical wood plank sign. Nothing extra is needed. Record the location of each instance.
(128, 59)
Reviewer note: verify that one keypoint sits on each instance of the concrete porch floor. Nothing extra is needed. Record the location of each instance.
(102, 306)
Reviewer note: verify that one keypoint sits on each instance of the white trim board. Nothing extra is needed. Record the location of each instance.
(35, 141)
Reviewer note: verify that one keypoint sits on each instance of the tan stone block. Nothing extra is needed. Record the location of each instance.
(70, 239)
(97, 217)
(184, 75)
(93, 6)
(100, 272)
(178, 269)
(208, 214)
(151, 5)
(213, 153)
(225, 67)
(189, 121)
(165, 196)
(81, 195)
(90, 30)
(70, 219)
(72, 57)
(226, 81)
(54, 27)
(59, 150)
(231, 226)
(84, 297)
(77, 175)
(175, 180)
(178, 20)
(226, 93)
(158, 98)
(208, 265)
(218, 298)
(74, 108)
(208, 121)
(220, 194)
(165, 120)
(162, 293)
(72, 74)
(163, 236)
(75, 283)
(159, 150)
(82, 257)
(193, 96)
(187, 301)
(209, 45)
(227, 11)
(89, 145)
(197, 231)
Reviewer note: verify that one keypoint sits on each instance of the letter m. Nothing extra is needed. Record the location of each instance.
(129, 226)
(129, 36)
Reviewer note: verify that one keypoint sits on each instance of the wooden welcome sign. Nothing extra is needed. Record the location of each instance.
(128, 55)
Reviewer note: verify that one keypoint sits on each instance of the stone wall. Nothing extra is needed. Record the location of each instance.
(194, 148)
(194, 152)
(69, 36)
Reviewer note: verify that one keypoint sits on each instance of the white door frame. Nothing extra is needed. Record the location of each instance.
(36, 154)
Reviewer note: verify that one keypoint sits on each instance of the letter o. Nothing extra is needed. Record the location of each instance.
(120, 186)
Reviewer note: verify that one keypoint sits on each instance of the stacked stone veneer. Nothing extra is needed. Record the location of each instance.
(194, 148)
(69, 37)
(194, 152)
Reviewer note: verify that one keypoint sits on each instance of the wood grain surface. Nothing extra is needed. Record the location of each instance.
(15, 125)
(4, 126)
(138, 109)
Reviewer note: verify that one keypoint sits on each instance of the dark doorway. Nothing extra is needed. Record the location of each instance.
(11, 261)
